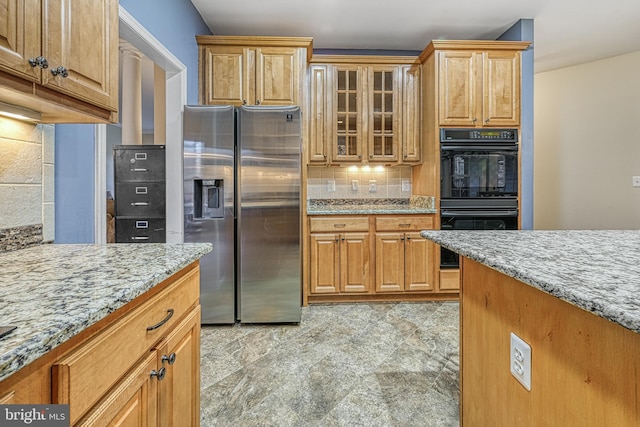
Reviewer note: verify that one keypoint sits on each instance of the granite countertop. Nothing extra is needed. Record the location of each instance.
(53, 292)
(414, 205)
(598, 271)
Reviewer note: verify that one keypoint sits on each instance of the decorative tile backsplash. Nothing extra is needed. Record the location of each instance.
(374, 182)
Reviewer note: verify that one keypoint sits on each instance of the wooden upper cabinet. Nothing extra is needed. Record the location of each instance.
(20, 37)
(384, 132)
(478, 83)
(252, 70)
(65, 53)
(79, 40)
(348, 117)
(411, 114)
(320, 122)
(369, 106)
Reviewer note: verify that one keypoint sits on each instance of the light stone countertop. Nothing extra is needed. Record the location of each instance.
(414, 205)
(596, 270)
(53, 292)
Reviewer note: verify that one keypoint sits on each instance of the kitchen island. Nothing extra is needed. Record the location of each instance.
(87, 318)
(572, 296)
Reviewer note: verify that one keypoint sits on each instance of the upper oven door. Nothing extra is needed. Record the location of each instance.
(475, 170)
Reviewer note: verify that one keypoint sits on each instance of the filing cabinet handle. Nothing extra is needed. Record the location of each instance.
(140, 238)
(162, 322)
(339, 225)
(139, 170)
(139, 203)
(160, 373)
(171, 359)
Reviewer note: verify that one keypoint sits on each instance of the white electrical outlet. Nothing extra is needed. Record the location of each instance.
(373, 186)
(406, 185)
(354, 184)
(635, 181)
(331, 186)
(520, 360)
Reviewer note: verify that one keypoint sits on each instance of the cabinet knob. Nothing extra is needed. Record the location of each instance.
(486, 121)
(244, 102)
(402, 239)
(408, 237)
(171, 359)
(160, 373)
(258, 102)
(474, 120)
(40, 61)
(60, 71)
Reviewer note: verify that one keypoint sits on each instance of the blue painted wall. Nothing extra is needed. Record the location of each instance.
(175, 23)
(74, 156)
(523, 31)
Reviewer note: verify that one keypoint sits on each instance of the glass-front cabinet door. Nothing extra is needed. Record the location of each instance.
(348, 124)
(383, 113)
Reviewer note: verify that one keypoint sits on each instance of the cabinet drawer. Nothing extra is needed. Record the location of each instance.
(139, 163)
(86, 374)
(140, 199)
(338, 224)
(140, 230)
(400, 223)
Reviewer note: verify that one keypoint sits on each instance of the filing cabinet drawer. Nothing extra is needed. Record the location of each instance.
(140, 199)
(140, 230)
(139, 163)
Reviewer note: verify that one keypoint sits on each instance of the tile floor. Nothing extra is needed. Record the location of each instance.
(378, 364)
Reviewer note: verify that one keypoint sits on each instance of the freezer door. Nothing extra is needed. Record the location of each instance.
(269, 261)
(209, 138)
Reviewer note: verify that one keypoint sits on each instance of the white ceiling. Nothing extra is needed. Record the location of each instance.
(567, 32)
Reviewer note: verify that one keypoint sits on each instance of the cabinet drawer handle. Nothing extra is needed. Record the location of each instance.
(404, 225)
(171, 359)
(339, 225)
(160, 373)
(163, 321)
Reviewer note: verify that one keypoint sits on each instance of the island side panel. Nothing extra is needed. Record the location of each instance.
(585, 368)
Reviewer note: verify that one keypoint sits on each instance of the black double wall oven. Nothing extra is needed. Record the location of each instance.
(478, 182)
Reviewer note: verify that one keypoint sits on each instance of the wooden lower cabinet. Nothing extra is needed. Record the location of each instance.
(140, 366)
(179, 394)
(339, 262)
(386, 259)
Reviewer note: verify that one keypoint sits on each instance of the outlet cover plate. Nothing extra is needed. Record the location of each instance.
(520, 361)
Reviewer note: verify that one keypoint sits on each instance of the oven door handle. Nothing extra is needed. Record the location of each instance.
(479, 213)
(477, 147)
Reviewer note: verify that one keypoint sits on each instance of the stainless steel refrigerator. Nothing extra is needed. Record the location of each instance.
(242, 193)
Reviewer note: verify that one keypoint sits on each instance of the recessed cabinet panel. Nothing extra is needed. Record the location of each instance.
(225, 72)
(276, 76)
(20, 37)
(83, 62)
(457, 88)
(320, 119)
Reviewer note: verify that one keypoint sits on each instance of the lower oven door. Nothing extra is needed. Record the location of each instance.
(497, 219)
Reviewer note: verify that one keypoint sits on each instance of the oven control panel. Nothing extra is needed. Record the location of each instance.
(476, 135)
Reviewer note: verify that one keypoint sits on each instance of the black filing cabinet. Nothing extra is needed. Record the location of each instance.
(140, 202)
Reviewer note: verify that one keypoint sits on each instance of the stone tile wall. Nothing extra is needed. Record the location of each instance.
(27, 211)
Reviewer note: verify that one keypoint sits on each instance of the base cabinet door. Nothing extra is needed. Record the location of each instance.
(324, 263)
(354, 262)
(419, 262)
(389, 262)
(339, 263)
(179, 393)
(133, 402)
